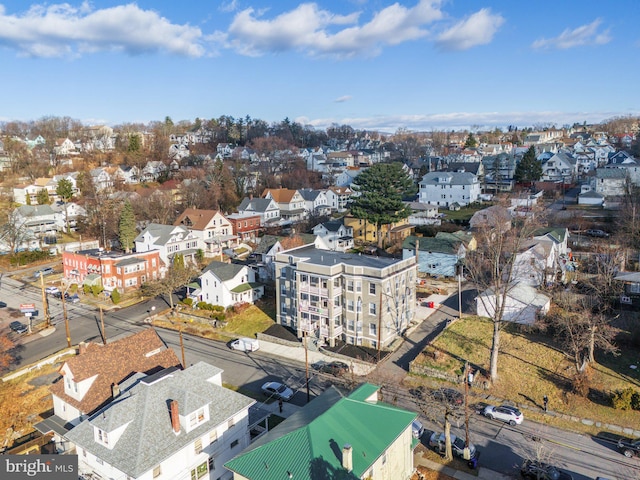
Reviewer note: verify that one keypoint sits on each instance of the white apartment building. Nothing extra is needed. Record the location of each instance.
(446, 188)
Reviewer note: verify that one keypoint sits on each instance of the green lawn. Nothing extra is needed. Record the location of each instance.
(464, 213)
(530, 366)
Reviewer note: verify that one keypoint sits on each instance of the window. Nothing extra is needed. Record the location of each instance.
(358, 286)
(350, 285)
(213, 436)
(234, 443)
(200, 471)
(373, 329)
(336, 300)
(372, 309)
(198, 446)
(372, 288)
(103, 438)
(156, 471)
(350, 305)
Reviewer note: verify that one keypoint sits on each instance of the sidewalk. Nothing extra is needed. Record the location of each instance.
(483, 473)
(298, 354)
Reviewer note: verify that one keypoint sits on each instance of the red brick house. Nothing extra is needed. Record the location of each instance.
(112, 270)
(246, 226)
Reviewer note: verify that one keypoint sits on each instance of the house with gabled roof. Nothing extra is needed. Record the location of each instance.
(152, 171)
(522, 304)
(101, 178)
(169, 240)
(175, 424)
(611, 182)
(438, 255)
(290, 202)
(334, 434)
(339, 198)
(334, 235)
(560, 166)
(227, 284)
(267, 208)
(246, 226)
(315, 202)
(211, 227)
(446, 188)
(542, 259)
(88, 378)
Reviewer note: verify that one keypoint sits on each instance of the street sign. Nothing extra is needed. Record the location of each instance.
(27, 307)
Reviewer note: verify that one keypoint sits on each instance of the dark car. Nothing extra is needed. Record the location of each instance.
(534, 470)
(18, 327)
(597, 233)
(448, 395)
(335, 368)
(629, 447)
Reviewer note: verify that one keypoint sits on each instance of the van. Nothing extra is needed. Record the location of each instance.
(245, 345)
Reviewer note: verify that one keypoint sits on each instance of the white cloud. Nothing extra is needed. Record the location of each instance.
(342, 99)
(459, 120)
(315, 31)
(62, 30)
(229, 6)
(477, 29)
(583, 35)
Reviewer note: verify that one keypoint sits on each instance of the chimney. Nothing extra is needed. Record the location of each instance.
(115, 390)
(82, 348)
(175, 418)
(347, 457)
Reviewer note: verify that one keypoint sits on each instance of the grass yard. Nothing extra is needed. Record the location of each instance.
(530, 367)
(465, 213)
(246, 323)
(28, 393)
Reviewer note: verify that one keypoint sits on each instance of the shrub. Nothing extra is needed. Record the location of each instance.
(188, 302)
(624, 399)
(96, 290)
(87, 289)
(581, 382)
(115, 297)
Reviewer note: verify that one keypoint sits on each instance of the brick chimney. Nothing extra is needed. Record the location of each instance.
(347, 457)
(175, 416)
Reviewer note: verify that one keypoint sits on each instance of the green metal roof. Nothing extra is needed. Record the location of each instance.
(369, 427)
(243, 287)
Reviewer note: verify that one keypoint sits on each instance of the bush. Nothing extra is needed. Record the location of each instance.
(188, 302)
(625, 399)
(115, 297)
(87, 289)
(581, 382)
(96, 290)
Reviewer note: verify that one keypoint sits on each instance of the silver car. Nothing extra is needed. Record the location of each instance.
(506, 413)
(277, 390)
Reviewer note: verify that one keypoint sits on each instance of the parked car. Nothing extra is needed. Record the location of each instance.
(448, 395)
(277, 390)
(52, 290)
(245, 344)
(417, 429)
(597, 233)
(72, 298)
(534, 470)
(44, 271)
(506, 413)
(18, 327)
(629, 447)
(437, 442)
(335, 368)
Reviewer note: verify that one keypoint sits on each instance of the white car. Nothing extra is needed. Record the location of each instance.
(506, 413)
(52, 290)
(277, 390)
(417, 430)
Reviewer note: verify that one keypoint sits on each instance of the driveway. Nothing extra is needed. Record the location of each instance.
(396, 365)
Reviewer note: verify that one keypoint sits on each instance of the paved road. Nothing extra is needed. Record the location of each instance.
(502, 447)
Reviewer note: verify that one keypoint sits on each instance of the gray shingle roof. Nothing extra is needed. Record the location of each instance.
(457, 178)
(255, 204)
(148, 438)
(612, 173)
(224, 271)
(161, 233)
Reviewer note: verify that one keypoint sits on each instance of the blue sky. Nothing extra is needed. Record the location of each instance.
(372, 64)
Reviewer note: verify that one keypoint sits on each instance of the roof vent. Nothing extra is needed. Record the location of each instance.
(347, 457)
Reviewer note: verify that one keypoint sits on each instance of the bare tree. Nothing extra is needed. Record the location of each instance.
(14, 232)
(493, 265)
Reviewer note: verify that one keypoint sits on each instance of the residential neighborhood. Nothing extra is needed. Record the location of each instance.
(323, 306)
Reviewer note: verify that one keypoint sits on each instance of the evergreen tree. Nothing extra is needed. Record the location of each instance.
(529, 169)
(127, 227)
(64, 190)
(382, 188)
(43, 197)
(471, 142)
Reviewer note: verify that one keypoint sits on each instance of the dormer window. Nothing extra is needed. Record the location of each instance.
(196, 418)
(102, 437)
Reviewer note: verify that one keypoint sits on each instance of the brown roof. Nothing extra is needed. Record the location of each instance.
(280, 195)
(113, 363)
(199, 219)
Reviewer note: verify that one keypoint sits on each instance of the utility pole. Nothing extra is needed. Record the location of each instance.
(184, 362)
(66, 319)
(45, 302)
(459, 269)
(102, 333)
(467, 453)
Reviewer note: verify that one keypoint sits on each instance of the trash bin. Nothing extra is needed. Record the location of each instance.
(430, 304)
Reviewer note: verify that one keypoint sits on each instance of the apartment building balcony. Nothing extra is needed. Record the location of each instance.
(307, 288)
